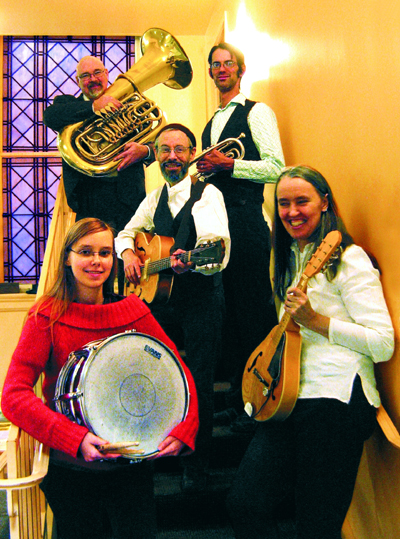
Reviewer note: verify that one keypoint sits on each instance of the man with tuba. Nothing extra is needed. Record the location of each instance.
(192, 213)
(112, 198)
(250, 312)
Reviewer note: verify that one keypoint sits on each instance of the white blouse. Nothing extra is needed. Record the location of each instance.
(360, 329)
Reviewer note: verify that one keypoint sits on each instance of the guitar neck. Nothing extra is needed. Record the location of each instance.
(165, 263)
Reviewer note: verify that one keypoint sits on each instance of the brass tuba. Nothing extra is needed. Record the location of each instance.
(91, 146)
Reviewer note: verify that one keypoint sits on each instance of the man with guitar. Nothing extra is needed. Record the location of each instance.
(250, 313)
(186, 214)
(312, 456)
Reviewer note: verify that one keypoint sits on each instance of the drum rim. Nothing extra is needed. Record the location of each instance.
(95, 346)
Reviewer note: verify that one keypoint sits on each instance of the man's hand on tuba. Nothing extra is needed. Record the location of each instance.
(104, 100)
(132, 153)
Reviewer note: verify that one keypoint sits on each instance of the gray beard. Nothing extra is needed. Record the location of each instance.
(173, 177)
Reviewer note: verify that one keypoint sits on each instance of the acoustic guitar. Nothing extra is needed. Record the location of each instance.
(271, 378)
(154, 253)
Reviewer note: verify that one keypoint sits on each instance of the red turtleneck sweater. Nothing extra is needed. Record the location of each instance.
(42, 349)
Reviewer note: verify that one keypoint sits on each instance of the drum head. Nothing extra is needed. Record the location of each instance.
(134, 389)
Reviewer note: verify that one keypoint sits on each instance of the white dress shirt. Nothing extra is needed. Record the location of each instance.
(264, 130)
(209, 214)
(360, 328)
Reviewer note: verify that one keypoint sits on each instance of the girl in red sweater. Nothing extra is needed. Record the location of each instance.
(89, 496)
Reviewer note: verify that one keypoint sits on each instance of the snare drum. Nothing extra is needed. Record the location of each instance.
(128, 387)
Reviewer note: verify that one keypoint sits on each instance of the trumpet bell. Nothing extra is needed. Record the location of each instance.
(230, 147)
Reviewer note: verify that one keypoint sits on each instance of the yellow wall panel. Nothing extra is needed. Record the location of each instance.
(336, 100)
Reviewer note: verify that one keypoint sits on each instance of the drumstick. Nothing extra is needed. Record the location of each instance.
(130, 451)
(115, 446)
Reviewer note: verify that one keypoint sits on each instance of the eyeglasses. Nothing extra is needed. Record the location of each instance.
(88, 253)
(178, 150)
(87, 76)
(228, 63)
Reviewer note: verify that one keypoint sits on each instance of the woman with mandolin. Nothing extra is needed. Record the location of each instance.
(312, 457)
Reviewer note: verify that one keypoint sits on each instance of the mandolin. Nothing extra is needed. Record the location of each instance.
(271, 378)
(154, 253)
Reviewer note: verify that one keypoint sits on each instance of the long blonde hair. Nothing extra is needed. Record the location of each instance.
(62, 291)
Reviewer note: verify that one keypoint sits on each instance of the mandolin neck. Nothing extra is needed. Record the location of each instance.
(281, 328)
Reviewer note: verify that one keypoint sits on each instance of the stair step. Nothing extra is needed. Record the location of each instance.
(196, 515)
(227, 451)
(169, 483)
(200, 515)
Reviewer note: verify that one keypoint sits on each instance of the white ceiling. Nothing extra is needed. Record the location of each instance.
(106, 17)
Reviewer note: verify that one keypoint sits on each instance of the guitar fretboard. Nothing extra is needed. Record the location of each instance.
(165, 263)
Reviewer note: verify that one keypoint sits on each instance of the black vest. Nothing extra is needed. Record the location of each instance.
(183, 230)
(236, 191)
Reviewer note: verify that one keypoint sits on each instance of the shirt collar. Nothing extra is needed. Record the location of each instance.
(181, 186)
(296, 249)
(238, 99)
(301, 258)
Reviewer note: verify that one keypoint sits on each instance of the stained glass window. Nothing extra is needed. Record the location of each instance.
(35, 71)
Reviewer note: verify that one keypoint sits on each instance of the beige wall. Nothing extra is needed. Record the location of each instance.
(13, 309)
(336, 100)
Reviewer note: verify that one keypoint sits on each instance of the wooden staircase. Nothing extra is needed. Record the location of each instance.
(202, 514)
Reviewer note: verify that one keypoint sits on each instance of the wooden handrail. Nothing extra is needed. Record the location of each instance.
(388, 427)
(63, 218)
(3, 461)
(39, 470)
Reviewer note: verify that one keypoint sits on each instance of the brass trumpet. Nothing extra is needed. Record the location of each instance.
(231, 147)
(227, 147)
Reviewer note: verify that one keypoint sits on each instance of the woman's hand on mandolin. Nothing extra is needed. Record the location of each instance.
(299, 307)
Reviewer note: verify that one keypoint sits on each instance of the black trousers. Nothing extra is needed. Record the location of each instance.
(193, 320)
(103, 505)
(313, 457)
(250, 312)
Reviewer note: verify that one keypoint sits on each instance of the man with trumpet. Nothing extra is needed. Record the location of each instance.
(250, 312)
(191, 212)
(112, 198)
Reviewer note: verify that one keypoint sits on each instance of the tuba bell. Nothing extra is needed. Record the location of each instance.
(90, 146)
